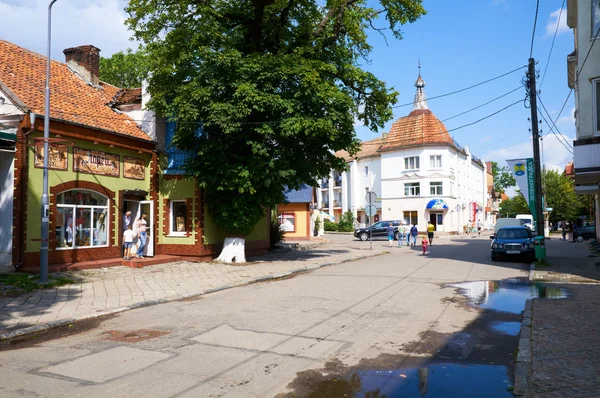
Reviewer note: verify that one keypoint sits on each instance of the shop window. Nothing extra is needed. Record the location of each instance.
(411, 217)
(81, 220)
(179, 222)
(412, 189)
(287, 222)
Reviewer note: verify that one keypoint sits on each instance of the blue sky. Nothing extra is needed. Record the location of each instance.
(459, 44)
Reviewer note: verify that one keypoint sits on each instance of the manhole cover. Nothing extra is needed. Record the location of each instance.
(133, 336)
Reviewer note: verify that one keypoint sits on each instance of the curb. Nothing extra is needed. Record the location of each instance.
(62, 322)
(524, 357)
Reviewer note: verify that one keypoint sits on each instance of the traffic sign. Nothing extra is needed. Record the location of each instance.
(370, 197)
(370, 210)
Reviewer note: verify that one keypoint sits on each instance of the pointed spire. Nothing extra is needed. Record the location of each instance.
(420, 99)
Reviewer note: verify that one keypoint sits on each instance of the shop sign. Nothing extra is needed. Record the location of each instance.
(57, 160)
(134, 168)
(96, 162)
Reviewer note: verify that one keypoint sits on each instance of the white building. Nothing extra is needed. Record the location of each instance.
(583, 16)
(418, 172)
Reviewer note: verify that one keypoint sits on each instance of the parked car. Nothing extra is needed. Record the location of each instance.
(507, 222)
(379, 230)
(585, 232)
(513, 242)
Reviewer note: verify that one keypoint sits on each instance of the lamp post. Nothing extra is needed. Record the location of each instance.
(45, 201)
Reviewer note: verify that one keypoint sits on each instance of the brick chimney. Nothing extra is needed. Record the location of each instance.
(85, 60)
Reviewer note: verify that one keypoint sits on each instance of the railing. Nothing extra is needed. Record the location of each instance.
(325, 184)
(176, 161)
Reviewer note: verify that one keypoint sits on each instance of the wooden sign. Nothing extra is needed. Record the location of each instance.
(134, 168)
(96, 162)
(57, 160)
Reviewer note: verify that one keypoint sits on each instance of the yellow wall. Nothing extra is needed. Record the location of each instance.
(301, 219)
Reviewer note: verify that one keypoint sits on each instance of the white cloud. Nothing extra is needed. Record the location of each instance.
(553, 21)
(74, 23)
(555, 155)
(568, 120)
(485, 139)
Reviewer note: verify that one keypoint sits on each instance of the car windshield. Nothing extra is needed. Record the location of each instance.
(379, 225)
(513, 234)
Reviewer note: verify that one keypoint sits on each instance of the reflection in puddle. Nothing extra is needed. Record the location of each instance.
(510, 328)
(441, 380)
(507, 295)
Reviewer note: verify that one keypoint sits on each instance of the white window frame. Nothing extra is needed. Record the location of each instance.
(415, 160)
(432, 187)
(412, 189)
(92, 209)
(172, 217)
(433, 162)
(596, 105)
(410, 217)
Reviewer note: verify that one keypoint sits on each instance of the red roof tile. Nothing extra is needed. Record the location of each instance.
(570, 169)
(419, 128)
(128, 96)
(71, 98)
(368, 149)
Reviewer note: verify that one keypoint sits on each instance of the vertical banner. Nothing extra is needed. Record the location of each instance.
(523, 171)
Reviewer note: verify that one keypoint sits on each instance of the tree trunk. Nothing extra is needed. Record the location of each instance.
(234, 251)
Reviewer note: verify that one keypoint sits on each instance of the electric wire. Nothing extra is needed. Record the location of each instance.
(482, 105)
(570, 150)
(537, 9)
(553, 126)
(552, 46)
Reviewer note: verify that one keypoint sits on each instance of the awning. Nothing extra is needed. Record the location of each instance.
(437, 204)
(8, 132)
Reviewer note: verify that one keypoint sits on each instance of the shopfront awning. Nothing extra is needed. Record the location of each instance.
(437, 204)
(8, 132)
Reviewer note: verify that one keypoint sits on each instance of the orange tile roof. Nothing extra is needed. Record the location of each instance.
(128, 96)
(419, 128)
(569, 169)
(368, 149)
(504, 196)
(71, 98)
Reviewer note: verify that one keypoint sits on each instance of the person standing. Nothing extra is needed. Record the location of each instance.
(401, 234)
(479, 227)
(390, 233)
(430, 230)
(414, 232)
(141, 231)
(424, 245)
(564, 230)
(126, 224)
(128, 236)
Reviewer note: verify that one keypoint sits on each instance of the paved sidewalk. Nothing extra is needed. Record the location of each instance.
(111, 290)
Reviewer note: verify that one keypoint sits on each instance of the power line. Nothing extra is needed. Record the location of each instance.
(553, 126)
(553, 39)
(486, 117)
(569, 149)
(482, 105)
(537, 9)
(466, 88)
(577, 76)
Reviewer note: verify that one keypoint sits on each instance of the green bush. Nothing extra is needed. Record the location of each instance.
(276, 233)
(347, 222)
(330, 226)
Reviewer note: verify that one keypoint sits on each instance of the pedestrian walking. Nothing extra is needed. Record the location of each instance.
(424, 245)
(430, 230)
(141, 232)
(390, 232)
(126, 224)
(479, 227)
(128, 236)
(414, 232)
(401, 234)
(564, 230)
(408, 235)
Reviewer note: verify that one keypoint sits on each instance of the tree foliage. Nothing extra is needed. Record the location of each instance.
(277, 85)
(346, 224)
(559, 191)
(513, 206)
(503, 178)
(125, 69)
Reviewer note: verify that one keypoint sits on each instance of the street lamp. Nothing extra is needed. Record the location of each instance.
(45, 201)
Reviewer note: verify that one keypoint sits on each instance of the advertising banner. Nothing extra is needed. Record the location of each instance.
(58, 159)
(134, 168)
(96, 162)
(523, 171)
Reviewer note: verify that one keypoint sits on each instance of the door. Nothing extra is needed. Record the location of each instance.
(433, 220)
(147, 206)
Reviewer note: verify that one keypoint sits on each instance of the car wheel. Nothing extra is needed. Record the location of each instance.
(397, 236)
(580, 238)
(363, 236)
(494, 257)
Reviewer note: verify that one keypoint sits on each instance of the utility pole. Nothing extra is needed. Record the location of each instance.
(536, 148)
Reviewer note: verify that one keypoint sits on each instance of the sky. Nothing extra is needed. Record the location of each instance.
(459, 44)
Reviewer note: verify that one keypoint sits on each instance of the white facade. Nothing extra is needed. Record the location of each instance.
(584, 78)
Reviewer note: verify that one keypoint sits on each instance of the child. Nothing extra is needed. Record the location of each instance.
(128, 236)
(424, 245)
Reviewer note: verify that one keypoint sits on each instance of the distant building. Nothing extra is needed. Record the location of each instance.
(418, 172)
(583, 16)
(569, 170)
(295, 215)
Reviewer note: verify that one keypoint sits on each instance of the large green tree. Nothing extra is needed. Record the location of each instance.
(277, 85)
(503, 178)
(125, 69)
(559, 191)
(513, 206)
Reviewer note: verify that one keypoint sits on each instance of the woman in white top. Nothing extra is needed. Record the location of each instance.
(141, 232)
(101, 230)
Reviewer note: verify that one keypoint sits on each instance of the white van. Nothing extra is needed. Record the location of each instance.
(507, 222)
(527, 220)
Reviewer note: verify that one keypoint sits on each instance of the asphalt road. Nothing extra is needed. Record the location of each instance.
(277, 338)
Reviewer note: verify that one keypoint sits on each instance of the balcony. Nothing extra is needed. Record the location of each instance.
(175, 158)
(586, 157)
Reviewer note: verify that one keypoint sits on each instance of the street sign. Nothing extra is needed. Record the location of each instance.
(549, 209)
(370, 210)
(370, 197)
